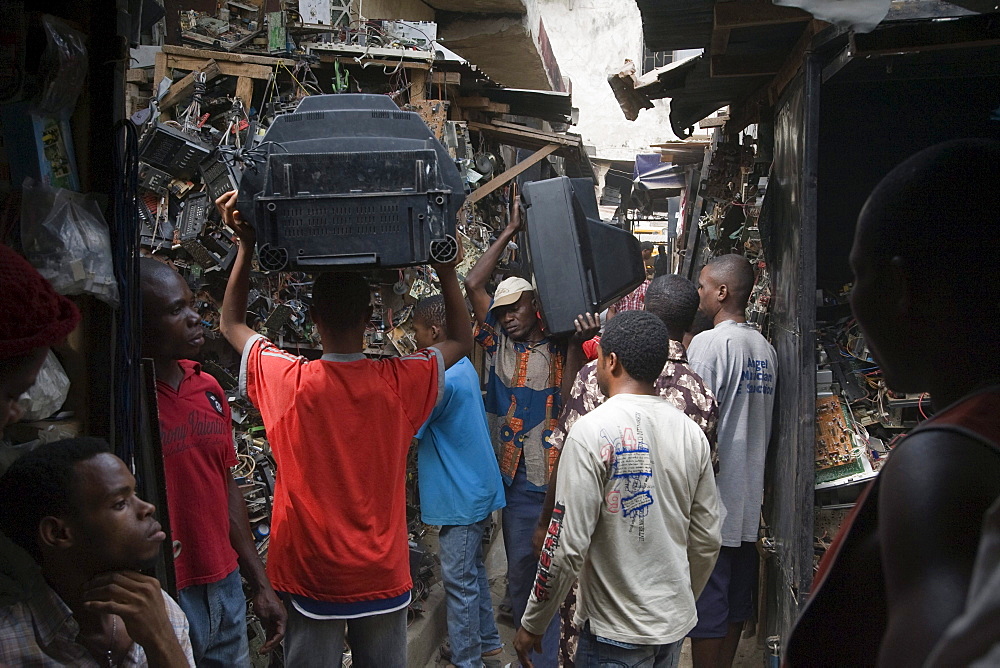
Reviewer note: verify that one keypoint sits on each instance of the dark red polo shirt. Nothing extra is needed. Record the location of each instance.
(197, 438)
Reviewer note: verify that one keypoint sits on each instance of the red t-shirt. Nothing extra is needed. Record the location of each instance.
(340, 428)
(197, 438)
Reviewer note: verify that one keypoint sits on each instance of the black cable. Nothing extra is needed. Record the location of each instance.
(125, 229)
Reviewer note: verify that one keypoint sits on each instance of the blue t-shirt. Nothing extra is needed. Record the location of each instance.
(457, 471)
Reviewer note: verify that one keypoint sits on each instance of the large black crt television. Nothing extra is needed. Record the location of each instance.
(579, 263)
(351, 181)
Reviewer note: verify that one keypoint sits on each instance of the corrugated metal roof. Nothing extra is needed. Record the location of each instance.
(695, 94)
(671, 25)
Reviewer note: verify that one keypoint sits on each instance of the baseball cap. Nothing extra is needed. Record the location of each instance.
(509, 291)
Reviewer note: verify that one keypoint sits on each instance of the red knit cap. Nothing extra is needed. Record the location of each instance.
(32, 314)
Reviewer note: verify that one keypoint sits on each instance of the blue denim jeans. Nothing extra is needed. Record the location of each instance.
(377, 641)
(520, 516)
(217, 614)
(594, 652)
(471, 627)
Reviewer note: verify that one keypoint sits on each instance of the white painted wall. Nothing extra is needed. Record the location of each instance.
(591, 39)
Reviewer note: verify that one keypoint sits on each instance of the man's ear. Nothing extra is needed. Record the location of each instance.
(723, 292)
(55, 533)
(613, 365)
(437, 333)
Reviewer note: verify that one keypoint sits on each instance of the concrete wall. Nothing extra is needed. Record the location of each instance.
(591, 39)
(403, 10)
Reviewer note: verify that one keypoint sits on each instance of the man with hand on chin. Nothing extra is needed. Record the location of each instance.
(72, 505)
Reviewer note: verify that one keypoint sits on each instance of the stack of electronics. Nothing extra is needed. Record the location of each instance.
(180, 176)
(857, 417)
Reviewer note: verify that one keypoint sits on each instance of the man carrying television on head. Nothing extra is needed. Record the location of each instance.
(523, 400)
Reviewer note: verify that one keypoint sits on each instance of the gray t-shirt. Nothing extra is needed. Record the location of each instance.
(738, 365)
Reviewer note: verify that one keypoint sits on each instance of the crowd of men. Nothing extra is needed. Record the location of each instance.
(630, 485)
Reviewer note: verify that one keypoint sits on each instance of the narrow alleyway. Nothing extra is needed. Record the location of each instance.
(428, 632)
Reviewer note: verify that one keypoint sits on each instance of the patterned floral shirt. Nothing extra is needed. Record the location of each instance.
(633, 301)
(677, 383)
(522, 401)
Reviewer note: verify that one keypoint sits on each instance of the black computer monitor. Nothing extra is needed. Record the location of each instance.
(351, 181)
(579, 264)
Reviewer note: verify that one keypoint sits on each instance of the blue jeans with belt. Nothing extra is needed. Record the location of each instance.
(520, 517)
(596, 652)
(472, 629)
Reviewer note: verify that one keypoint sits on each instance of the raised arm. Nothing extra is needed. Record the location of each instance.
(587, 326)
(933, 495)
(456, 322)
(233, 321)
(479, 275)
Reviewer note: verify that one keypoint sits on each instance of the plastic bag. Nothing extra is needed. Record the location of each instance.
(65, 237)
(49, 392)
(63, 68)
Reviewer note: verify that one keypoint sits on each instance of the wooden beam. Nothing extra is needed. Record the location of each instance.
(159, 69)
(508, 175)
(244, 91)
(712, 122)
(720, 41)
(446, 78)
(915, 37)
(230, 69)
(530, 133)
(794, 61)
(750, 14)
(221, 56)
(418, 86)
(479, 102)
(755, 65)
(183, 89)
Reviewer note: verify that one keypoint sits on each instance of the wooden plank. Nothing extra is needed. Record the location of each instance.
(418, 86)
(221, 56)
(498, 108)
(754, 65)
(794, 61)
(536, 134)
(446, 78)
(502, 179)
(720, 41)
(159, 69)
(479, 102)
(183, 89)
(229, 69)
(712, 122)
(244, 91)
(533, 139)
(749, 14)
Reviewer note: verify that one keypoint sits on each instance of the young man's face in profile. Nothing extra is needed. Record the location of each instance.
(112, 528)
(874, 301)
